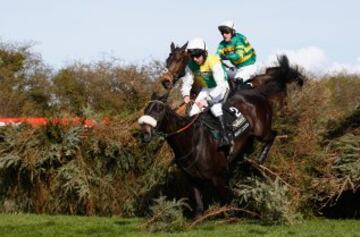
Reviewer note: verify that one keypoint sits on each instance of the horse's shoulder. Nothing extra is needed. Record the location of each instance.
(271, 70)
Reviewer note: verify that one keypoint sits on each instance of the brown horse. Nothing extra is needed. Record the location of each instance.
(281, 75)
(196, 151)
(175, 65)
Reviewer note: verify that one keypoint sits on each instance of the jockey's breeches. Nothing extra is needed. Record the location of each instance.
(216, 107)
(246, 72)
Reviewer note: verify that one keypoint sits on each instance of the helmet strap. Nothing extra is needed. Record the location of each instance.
(205, 55)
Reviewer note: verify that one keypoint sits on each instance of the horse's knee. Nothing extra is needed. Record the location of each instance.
(224, 192)
(270, 136)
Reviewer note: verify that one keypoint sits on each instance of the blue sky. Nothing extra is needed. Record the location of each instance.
(320, 35)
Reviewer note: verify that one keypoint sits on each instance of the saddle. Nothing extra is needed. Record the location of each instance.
(235, 83)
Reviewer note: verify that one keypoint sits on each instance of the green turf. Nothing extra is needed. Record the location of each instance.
(44, 225)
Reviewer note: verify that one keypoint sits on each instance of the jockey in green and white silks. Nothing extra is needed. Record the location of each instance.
(206, 71)
(236, 48)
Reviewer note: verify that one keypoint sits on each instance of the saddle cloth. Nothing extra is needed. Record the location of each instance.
(235, 122)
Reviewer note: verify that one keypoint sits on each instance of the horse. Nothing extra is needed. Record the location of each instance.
(278, 78)
(178, 59)
(175, 65)
(196, 150)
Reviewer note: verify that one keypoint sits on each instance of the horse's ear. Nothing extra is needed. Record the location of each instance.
(184, 46)
(283, 61)
(172, 46)
(154, 96)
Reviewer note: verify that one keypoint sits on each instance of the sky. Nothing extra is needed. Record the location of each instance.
(321, 36)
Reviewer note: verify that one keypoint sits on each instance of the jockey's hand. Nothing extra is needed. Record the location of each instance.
(201, 103)
(187, 99)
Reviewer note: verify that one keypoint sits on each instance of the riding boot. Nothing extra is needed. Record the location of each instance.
(225, 140)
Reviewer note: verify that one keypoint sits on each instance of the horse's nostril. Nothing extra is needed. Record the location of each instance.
(167, 84)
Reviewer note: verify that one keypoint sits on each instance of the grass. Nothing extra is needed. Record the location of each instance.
(20, 225)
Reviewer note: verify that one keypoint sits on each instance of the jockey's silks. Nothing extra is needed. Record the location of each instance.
(239, 51)
(203, 74)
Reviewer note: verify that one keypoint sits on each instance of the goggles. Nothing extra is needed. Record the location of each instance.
(225, 30)
(195, 53)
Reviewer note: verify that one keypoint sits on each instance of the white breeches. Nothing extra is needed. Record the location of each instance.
(246, 72)
(216, 108)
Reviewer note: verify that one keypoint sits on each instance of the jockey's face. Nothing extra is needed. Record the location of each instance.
(226, 36)
(199, 60)
(226, 33)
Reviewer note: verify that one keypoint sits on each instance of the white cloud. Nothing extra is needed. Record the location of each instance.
(314, 60)
(347, 68)
(311, 58)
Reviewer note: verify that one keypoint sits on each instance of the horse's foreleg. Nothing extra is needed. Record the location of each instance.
(199, 202)
(269, 140)
(223, 191)
(283, 104)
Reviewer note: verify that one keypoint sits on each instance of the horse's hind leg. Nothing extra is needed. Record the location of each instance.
(269, 140)
(283, 103)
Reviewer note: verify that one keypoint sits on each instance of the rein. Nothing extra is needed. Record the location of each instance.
(176, 75)
(180, 130)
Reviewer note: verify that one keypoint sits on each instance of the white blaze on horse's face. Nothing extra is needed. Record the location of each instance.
(147, 119)
(164, 70)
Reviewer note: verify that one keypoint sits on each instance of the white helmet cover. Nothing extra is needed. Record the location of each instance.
(197, 43)
(228, 24)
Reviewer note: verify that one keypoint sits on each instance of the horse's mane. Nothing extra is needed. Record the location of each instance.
(275, 79)
(287, 73)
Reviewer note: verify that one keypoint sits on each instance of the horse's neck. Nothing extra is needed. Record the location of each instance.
(186, 60)
(172, 121)
(261, 79)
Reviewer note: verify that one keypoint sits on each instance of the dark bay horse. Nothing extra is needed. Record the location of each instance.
(175, 65)
(196, 151)
(276, 77)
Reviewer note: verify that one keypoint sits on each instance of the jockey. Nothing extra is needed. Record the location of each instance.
(236, 48)
(207, 72)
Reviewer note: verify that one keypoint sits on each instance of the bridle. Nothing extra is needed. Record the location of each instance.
(180, 130)
(174, 76)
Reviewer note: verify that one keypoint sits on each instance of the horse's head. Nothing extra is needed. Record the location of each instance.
(284, 72)
(175, 65)
(296, 75)
(154, 114)
(292, 74)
